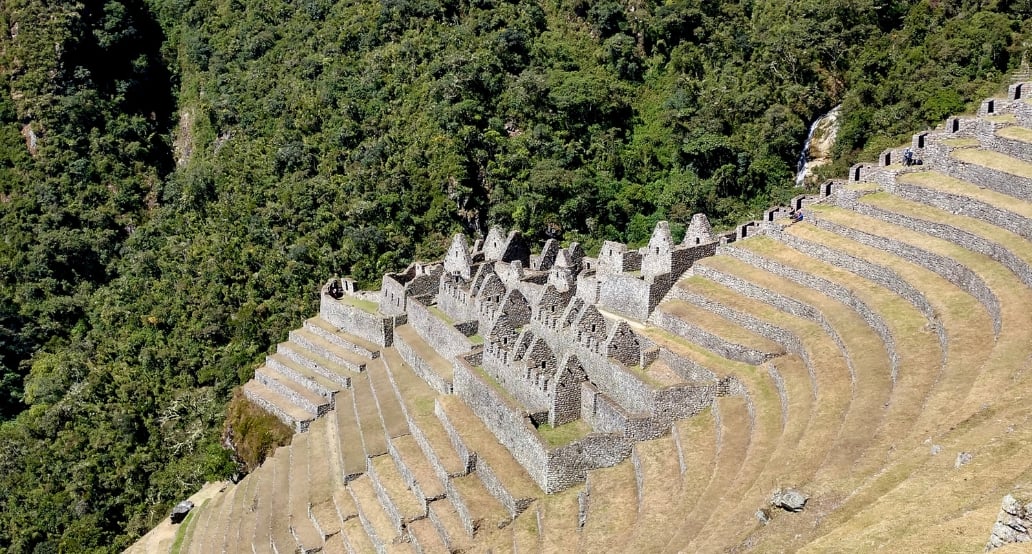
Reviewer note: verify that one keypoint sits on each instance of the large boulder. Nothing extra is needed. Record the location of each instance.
(789, 500)
(180, 511)
(1013, 524)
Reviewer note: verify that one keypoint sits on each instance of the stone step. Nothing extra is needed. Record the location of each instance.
(1015, 141)
(771, 449)
(344, 505)
(558, 518)
(306, 534)
(417, 401)
(278, 405)
(298, 395)
(247, 493)
(425, 538)
(374, 519)
(352, 457)
(416, 470)
(391, 413)
(862, 330)
(324, 476)
(399, 503)
(280, 536)
(219, 522)
(526, 531)
(909, 281)
(335, 543)
(343, 339)
(329, 370)
(734, 435)
(767, 322)
(501, 473)
(265, 500)
(860, 403)
(657, 473)
(423, 359)
(374, 436)
(994, 170)
(476, 506)
(965, 198)
(714, 333)
(917, 346)
(326, 519)
(356, 541)
(960, 314)
(612, 508)
(304, 376)
(207, 519)
(709, 364)
(229, 520)
(449, 525)
(1000, 244)
(318, 346)
(696, 442)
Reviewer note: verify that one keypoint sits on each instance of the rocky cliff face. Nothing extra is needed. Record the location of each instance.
(1014, 524)
(819, 142)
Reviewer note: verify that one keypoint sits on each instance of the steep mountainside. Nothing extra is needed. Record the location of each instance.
(177, 178)
(848, 374)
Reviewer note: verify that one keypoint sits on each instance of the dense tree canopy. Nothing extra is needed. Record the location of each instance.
(178, 176)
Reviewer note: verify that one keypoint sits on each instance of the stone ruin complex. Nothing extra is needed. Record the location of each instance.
(847, 345)
(546, 340)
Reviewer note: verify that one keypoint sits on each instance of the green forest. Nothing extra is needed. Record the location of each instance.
(178, 177)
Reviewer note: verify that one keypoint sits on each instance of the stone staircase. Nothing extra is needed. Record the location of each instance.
(860, 350)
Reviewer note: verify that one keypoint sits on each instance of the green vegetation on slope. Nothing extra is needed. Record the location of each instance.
(200, 166)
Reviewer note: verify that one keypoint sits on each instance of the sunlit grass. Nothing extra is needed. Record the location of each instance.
(1023, 134)
(995, 160)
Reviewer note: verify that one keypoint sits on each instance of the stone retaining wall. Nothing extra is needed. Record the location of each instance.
(1005, 183)
(421, 367)
(965, 278)
(947, 268)
(782, 303)
(297, 426)
(710, 341)
(375, 328)
(964, 205)
(787, 339)
(828, 288)
(448, 341)
(873, 272)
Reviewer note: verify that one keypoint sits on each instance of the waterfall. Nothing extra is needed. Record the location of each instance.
(824, 131)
